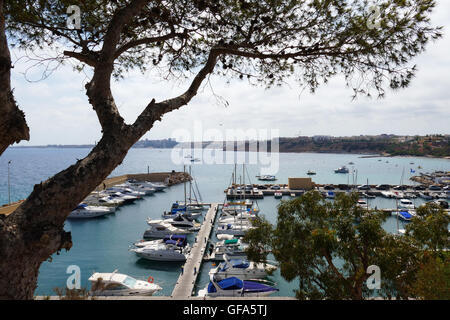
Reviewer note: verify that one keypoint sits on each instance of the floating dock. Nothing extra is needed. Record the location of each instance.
(187, 279)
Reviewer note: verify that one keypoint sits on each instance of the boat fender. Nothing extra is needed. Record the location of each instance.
(150, 279)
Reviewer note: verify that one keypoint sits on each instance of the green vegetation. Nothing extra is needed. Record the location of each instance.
(328, 247)
(435, 145)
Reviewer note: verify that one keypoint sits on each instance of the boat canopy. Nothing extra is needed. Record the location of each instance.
(405, 214)
(237, 263)
(175, 237)
(231, 241)
(232, 283)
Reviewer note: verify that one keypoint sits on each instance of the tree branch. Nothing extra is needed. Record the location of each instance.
(154, 111)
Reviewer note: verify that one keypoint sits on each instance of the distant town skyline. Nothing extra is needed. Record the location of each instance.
(58, 112)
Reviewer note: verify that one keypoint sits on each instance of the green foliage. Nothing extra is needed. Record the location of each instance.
(265, 41)
(433, 279)
(329, 246)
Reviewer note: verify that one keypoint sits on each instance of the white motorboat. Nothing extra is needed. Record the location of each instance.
(242, 269)
(143, 243)
(158, 186)
(126, 191)
(425, 196)
(231, 247)
(362, 203)
(179, 221)
(278, 195)
(233, 229)
(117, 284)
(387, 194)
(234, 287)
(342, 169)
(160, 230)
(245, 219)
(167, 250)
(111, 200)
(405, 204)
(83, 211)
(267, 177)
(125, 197)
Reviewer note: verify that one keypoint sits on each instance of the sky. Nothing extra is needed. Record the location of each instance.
(58, 112)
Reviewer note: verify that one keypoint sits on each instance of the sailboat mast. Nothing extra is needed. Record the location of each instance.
(184, 171)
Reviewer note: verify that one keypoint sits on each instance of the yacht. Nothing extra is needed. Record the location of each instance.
(169, 250)
(362, 203)
(177, 206)
(245, 219)
(278, 195)
(342, 169)
(405, 204)
(425, 196)
(233, 229)
(111, 200)
(126, 191)
(160, 230)
(143, 243)
(405, 215)
(233, 248)
(125, 197)
(234, 287)
(83, 211)
(267, 178)
(311, 173)
(242, 269)
(180, 221)
(387, 194)
(330, 195)
(117, 284)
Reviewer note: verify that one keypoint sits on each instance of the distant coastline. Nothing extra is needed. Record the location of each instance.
(430, 146)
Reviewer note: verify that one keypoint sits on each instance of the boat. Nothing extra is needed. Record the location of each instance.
(168, 250)
(180, 221)
(330, 195)
(246, 219)
(425, 196)
(126, 191)
(311, 173)
(342, 169)
(350, 163)
(234, 287)
(125, 197)
(160, 230)
(362, 203)
(111, 200)
(267, 178)
(278, 195)
(144, 243)
(242, 269)
(83, 211)
(233, 229)
(405, 204)
(232, 247)
(405, 215)
(387, 194)
(118, 284)
(368, 196)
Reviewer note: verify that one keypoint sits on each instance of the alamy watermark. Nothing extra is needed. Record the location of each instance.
(74, 19)
(232, 146)
(374, 280)
(74, 280)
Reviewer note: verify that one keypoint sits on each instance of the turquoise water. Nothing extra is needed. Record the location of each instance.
(102, 244)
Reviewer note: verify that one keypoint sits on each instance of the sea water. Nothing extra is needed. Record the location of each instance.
(102, 244)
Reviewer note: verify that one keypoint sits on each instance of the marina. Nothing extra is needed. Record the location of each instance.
(102, 244)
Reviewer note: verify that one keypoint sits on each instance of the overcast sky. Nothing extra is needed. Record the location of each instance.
(57, 110)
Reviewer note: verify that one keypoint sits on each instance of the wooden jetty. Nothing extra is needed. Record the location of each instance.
(186, 281)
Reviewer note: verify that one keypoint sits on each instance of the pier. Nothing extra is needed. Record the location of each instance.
(186, 281)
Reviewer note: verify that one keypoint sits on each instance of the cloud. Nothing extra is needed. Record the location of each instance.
(58, 111)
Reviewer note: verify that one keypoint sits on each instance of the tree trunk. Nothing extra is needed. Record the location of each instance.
(13, 127)
(34, 231)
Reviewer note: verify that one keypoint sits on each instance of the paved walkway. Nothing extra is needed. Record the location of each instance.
(186, 281)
